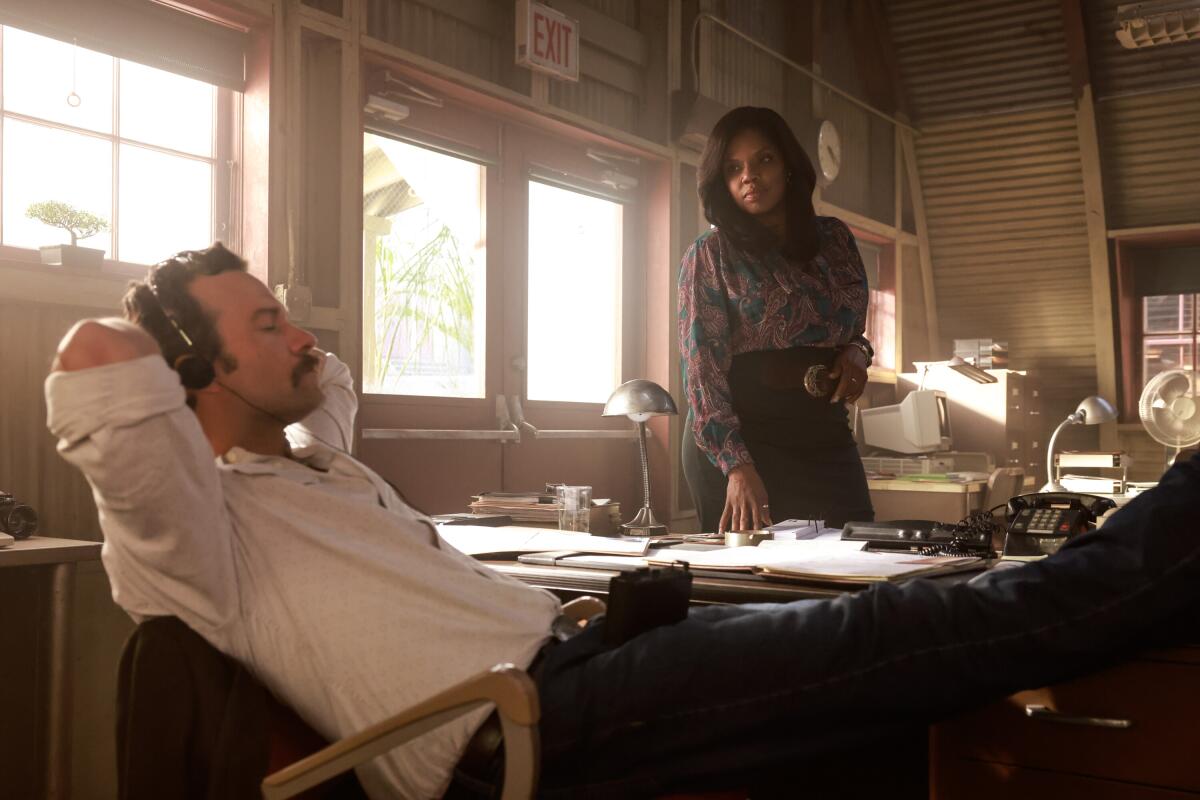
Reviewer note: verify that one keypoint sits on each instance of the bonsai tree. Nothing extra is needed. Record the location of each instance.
(80, 224)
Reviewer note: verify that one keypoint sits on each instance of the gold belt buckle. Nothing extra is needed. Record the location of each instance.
(817, 381)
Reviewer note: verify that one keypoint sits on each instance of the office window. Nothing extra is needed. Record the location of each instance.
(1169, 333)
(878, 261)
(573, 337)
(424, 262)
(133, 145)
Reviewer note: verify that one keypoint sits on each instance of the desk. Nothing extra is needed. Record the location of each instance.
(941, 501)
(705, 590)
(60, 555)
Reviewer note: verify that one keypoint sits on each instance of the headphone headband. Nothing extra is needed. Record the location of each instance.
(195, 371)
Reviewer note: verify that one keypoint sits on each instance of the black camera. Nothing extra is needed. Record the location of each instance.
(16, 519)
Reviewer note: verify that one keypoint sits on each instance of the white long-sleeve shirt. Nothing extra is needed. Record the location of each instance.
(309, 570)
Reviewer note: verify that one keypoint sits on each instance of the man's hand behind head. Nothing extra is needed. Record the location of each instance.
(97, 342)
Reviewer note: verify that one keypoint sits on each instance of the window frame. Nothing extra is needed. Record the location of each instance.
(1128, 312)
(226, 200)
(887, 285)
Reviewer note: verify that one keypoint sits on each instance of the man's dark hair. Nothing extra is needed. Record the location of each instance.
(149, 308)
(719, 206)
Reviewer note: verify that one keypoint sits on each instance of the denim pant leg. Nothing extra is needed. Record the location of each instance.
(764, 685)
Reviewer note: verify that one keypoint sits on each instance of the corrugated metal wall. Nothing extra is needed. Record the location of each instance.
(477, 37)
(1150, 152)
(971, 57)
(1008, 237)
(1001, 173)
(1148, 114)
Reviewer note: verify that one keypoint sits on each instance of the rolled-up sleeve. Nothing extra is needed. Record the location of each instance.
(333, 423)
(167, 535)
(706, 354)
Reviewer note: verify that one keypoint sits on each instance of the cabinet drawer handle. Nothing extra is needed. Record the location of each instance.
(1050, 715)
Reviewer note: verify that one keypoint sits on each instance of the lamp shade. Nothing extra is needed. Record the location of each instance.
(966, 368)
(1095, 410)
(639, 399)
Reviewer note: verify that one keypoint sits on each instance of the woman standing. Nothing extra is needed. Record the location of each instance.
(773, 305)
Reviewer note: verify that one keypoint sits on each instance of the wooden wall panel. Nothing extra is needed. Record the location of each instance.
(30, 467)
(1150, 154)
(1149, 457)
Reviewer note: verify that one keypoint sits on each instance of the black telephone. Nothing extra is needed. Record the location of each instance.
(1039, 524)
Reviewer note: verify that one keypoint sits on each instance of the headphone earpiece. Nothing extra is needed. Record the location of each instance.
(195, 373)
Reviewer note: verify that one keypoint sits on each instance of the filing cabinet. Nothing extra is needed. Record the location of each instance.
(1002, 418)
(1125, 732)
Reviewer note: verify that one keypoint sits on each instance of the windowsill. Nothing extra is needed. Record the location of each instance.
(23, 277)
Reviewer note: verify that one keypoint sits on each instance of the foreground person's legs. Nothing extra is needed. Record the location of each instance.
(743, 687)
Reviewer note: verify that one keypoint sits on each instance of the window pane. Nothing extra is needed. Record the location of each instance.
(166, 205)
(38, 79)
(42, 164)
(574, 333)
(424, 257)
(167, 110)
(1168, 313)
(1164, 353)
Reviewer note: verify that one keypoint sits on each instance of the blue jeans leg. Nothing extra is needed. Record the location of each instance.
(747, 687)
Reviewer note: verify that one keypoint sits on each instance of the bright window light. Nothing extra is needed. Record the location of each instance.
(574, 333)
(424, 262)
(63, 141)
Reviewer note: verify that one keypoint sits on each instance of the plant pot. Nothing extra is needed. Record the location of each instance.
(72, 255)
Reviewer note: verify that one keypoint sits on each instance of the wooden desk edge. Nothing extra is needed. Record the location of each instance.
(46, 550)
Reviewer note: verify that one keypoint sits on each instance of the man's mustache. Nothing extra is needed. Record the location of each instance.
(308, 363)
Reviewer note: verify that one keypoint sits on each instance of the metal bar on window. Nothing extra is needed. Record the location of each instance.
(506, 431)
(598, 433)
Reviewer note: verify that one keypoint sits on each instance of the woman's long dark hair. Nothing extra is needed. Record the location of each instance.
(719, 206)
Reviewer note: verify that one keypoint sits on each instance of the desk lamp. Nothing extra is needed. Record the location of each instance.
(962, 367)
(640, 400)
(1091, 411)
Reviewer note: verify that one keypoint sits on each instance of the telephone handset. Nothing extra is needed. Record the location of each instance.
(1039, 524)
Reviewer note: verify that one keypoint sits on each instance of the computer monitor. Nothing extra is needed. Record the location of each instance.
(919, 424)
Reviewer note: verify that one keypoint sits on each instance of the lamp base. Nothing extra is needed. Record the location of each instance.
(1052, 487)
(643, 524)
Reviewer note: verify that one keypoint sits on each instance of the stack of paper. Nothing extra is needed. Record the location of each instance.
(868, 566)
(1092, 484)
(535, 508)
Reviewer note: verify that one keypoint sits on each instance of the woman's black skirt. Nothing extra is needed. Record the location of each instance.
(802, 445)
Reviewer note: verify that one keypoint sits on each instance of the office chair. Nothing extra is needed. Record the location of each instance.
(194, 724)
(1003, 483)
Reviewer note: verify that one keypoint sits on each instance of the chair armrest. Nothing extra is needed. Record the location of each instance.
(582, 609)
(516, 700)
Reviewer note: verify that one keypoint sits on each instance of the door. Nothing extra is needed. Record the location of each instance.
(499, 308)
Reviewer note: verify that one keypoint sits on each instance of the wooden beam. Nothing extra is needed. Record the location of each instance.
(909, 150)
(1093, 198)
(1154, 230)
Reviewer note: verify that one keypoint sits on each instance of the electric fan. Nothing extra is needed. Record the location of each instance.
(1170, 410)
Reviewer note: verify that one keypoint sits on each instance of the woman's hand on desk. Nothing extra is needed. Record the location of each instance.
(745, 501)
(850, 372)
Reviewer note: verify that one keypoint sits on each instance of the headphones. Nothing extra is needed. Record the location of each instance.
(195, 371)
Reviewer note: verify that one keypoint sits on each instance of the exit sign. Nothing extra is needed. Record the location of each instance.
(547, 40)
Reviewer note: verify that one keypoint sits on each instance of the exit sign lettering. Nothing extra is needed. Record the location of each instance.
(547, 40)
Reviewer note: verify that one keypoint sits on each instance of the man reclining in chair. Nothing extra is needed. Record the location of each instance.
(289, 555)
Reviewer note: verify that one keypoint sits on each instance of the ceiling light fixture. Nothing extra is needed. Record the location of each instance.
(1156, 22)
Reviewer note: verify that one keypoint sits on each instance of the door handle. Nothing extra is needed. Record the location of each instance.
(518, 415)
(505, 431)
(1050, 715)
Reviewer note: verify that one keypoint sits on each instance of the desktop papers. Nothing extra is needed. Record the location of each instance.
(748, 559)
(826, 559)
(475, 540)
(868, 566)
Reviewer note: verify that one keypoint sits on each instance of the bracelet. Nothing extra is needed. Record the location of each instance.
(863, 349)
